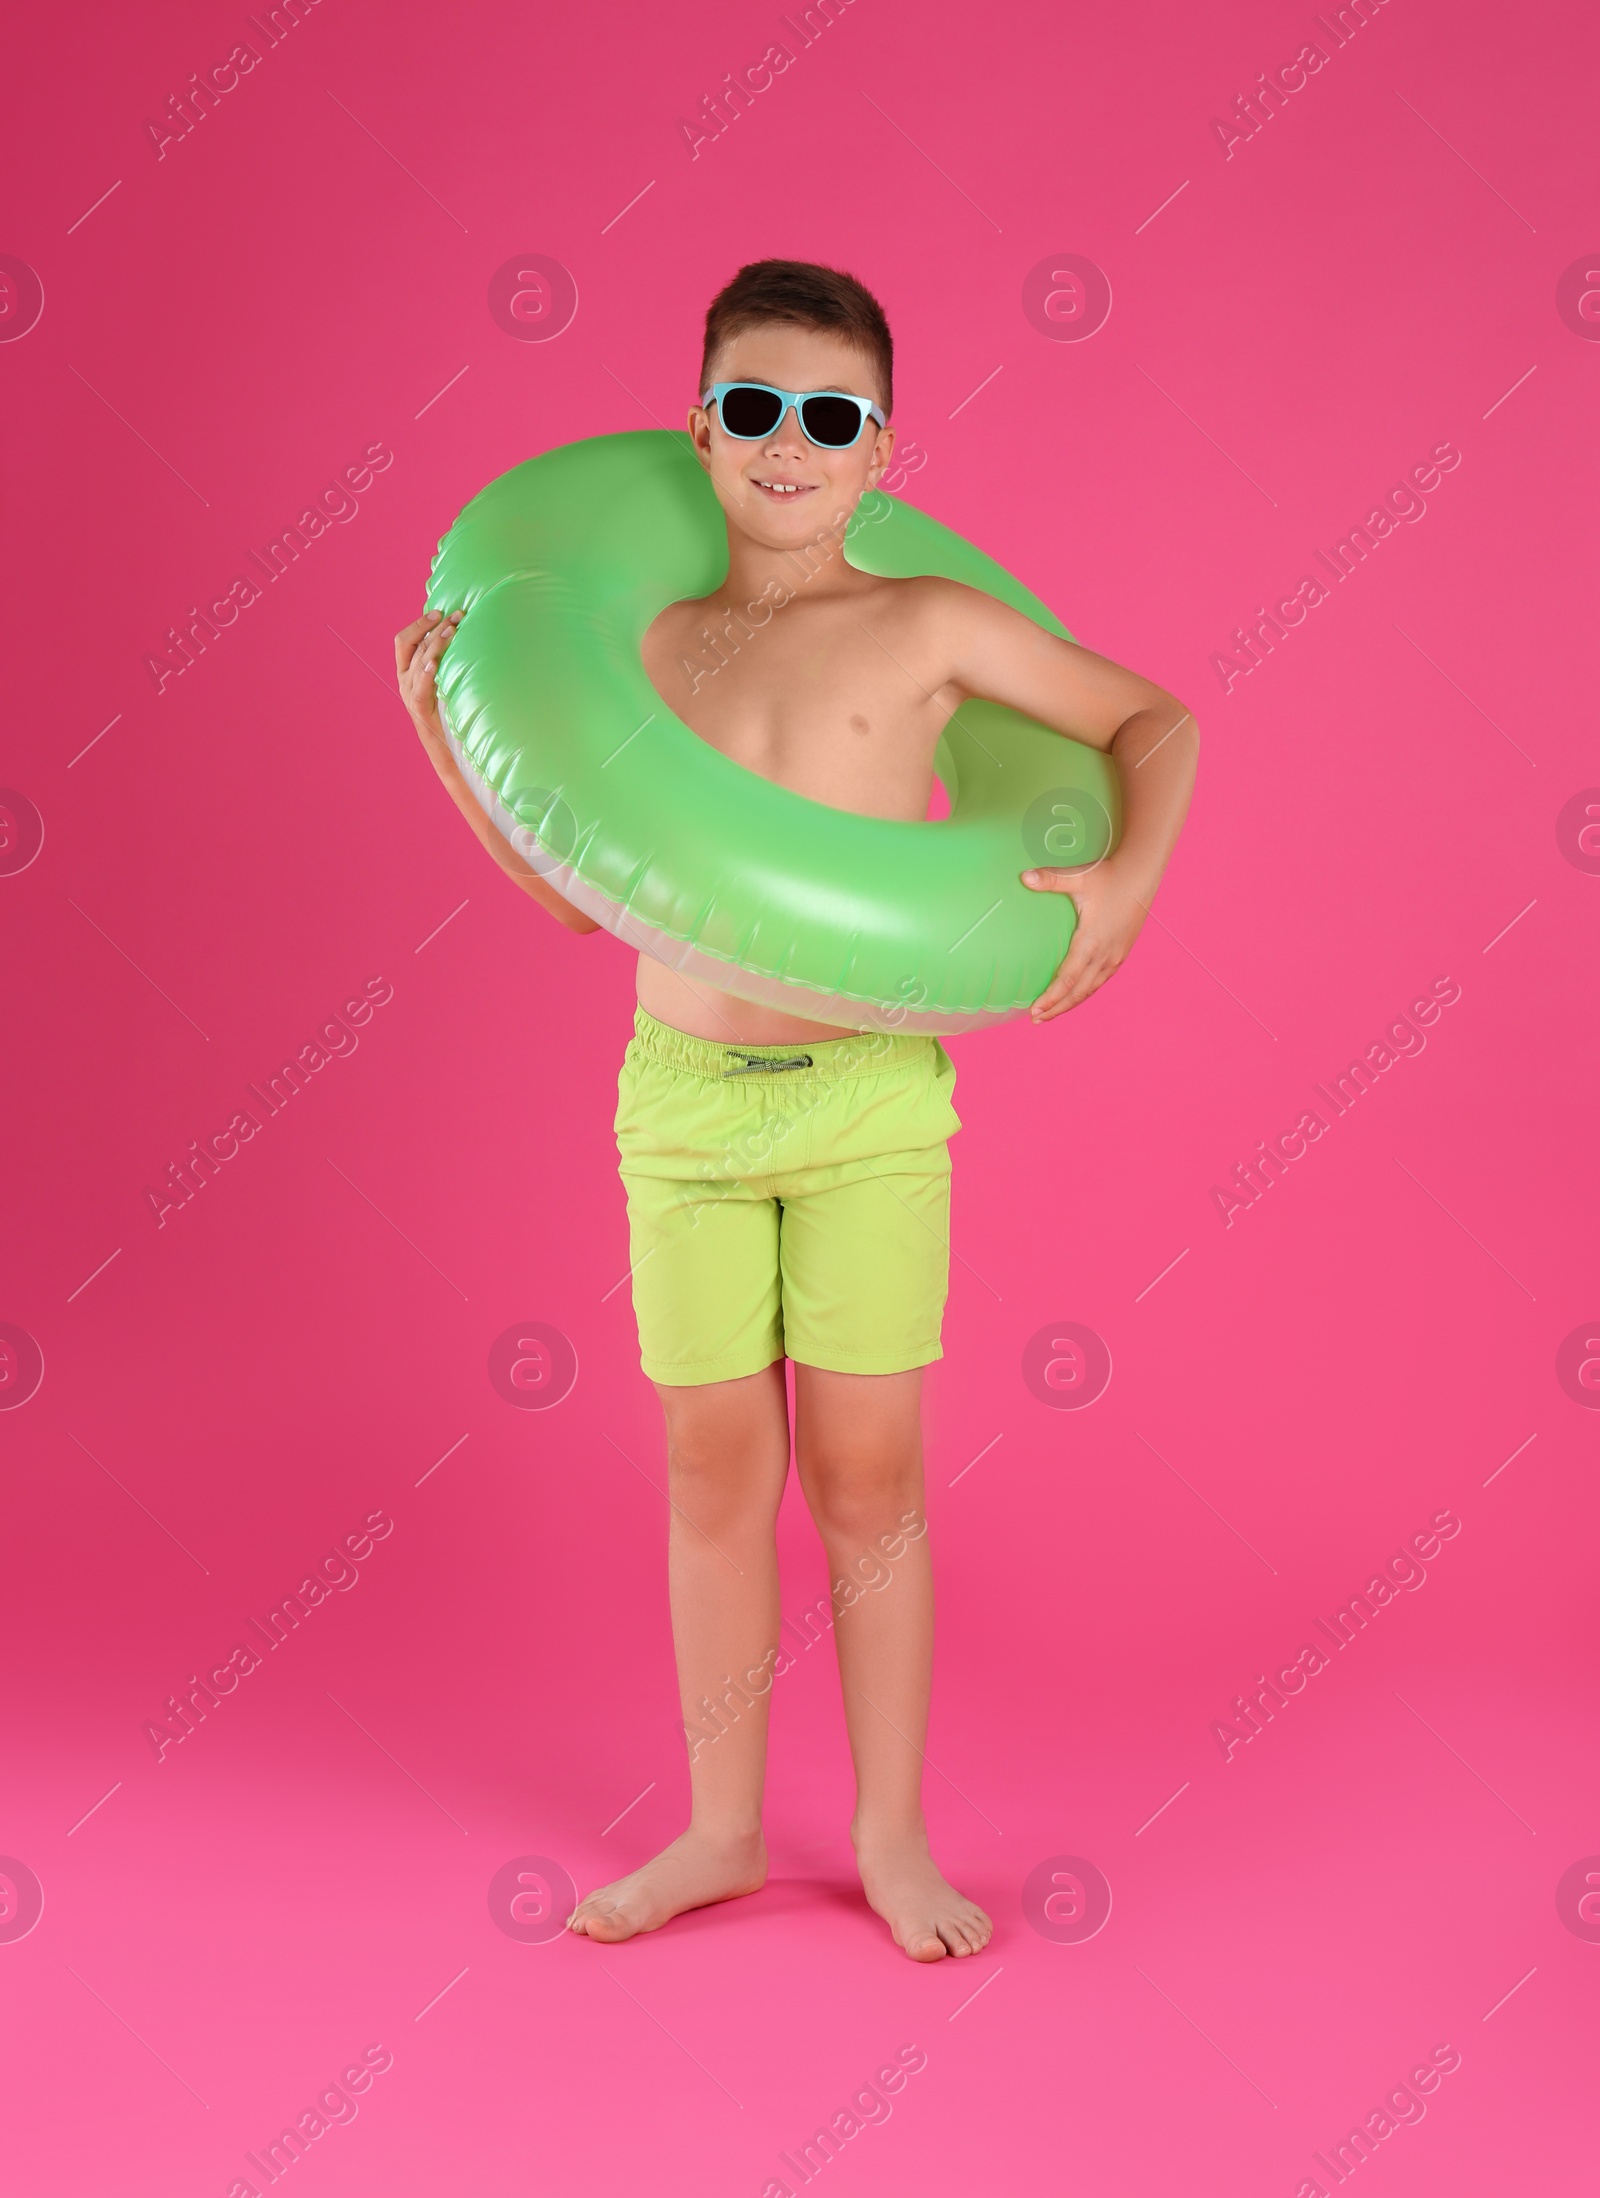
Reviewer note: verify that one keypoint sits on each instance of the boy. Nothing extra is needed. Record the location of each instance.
(788, 1180)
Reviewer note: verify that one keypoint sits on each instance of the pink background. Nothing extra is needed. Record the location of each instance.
(1372, 1876)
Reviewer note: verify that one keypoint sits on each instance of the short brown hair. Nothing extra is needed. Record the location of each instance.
(808, 296)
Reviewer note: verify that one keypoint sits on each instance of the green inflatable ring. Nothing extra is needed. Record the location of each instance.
(561, 565)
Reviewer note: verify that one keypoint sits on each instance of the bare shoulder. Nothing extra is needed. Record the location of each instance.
(946, 621)
(928, 593)
(671, 633)
(930, 601)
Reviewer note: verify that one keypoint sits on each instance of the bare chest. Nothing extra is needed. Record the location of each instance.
(819, 698)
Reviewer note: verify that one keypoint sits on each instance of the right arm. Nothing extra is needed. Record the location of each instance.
(417, 651)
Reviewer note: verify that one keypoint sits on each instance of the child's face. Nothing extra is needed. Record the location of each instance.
(828, 483)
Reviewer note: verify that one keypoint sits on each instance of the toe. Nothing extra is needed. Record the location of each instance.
(593, 1920)
(925, 1946)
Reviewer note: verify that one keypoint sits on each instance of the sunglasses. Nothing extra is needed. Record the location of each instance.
(828, 417)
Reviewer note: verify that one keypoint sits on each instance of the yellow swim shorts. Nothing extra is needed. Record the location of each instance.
(786, 1201)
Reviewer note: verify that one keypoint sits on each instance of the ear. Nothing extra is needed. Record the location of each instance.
(882, 455)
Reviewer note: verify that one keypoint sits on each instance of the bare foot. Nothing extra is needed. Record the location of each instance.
(928, 1917)
(694, 1871)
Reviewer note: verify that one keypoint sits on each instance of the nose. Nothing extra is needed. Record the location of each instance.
(788, 436)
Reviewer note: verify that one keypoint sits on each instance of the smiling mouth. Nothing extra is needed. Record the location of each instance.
(784, 492)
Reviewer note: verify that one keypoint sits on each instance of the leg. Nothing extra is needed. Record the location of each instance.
(858, 1447)
(727, 1461)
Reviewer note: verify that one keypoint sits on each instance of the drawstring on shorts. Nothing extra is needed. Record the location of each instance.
(758, 1063)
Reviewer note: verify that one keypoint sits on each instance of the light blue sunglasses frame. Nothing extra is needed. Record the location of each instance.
(792, 400)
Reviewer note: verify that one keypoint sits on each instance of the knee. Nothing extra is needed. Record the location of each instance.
(727, 1449)
(860, 1505)
(715, 1488)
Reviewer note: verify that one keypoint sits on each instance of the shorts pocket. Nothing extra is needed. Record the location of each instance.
(944, 1083)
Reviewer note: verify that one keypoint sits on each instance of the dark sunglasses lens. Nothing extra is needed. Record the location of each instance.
(833, 421)
(747, 410)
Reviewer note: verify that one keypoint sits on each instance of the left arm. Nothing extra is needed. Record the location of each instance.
(997, 653)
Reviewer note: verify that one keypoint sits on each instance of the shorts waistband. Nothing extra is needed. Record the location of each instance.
(808, 1061)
